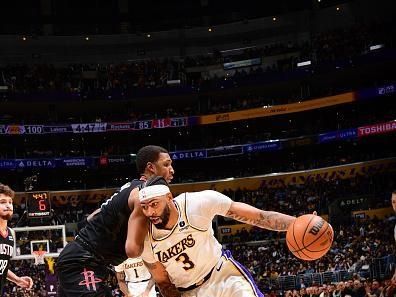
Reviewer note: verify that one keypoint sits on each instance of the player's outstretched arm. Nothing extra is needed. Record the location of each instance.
(24, 281)
(137, 227)
(161, 278)
(270, 220)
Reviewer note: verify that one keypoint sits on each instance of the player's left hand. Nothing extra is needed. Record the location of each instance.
(25, 282)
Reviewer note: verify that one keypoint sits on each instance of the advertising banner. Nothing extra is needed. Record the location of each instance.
(7, 164)
(75, 162)
(94, 127)
(377, 129)
(370, 93)
(265, 146)
(81, 196)
(278, 180)
(338, 135)
(35, 163)
(277, 109)
(192, 154)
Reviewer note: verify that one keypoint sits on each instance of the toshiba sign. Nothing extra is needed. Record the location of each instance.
(377, 129)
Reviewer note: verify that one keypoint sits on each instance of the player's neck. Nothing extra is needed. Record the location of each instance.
(3, 225)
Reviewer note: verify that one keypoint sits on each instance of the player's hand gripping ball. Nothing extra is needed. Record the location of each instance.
(309, 237)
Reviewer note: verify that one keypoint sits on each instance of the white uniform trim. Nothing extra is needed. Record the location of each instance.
(186, 214)
(244, 275)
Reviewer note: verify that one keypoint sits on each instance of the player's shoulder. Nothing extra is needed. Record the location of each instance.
(127, 188)
(131, 185)
(197, 196)
(204, 193)
(185, 196)
(10, 236)
(124, 188)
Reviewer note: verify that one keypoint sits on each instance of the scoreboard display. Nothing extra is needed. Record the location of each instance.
(38, 204)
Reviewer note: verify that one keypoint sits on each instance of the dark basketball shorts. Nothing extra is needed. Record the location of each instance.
(81, 274)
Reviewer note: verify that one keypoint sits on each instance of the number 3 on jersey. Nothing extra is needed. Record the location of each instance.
(183, 257)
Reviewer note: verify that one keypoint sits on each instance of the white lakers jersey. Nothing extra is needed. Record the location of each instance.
(134, 270)
(189, 251)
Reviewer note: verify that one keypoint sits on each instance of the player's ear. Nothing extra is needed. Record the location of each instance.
(169, 196)
(150, 167)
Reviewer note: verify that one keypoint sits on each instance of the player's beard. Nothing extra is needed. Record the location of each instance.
(6, 217)
(164, 218)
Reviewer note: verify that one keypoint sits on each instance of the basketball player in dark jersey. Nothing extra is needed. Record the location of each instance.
(83, 265)
(7, 241)
(393, 201)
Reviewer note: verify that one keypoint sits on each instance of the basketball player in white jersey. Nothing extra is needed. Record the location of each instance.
(181, 238)
(134, 279)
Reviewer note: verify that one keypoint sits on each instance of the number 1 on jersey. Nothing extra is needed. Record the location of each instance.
(136, 274)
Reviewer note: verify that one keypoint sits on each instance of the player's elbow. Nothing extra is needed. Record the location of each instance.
(133, 250)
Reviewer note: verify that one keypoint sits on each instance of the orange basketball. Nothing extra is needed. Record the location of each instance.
(309, 237)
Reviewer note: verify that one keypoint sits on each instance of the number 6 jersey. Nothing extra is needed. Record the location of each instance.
(189, 251)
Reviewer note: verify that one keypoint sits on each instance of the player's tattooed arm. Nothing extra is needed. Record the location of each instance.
(162, 280)
(270, 220)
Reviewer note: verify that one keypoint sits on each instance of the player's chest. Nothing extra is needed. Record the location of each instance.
(183, 239)
(6, 249)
